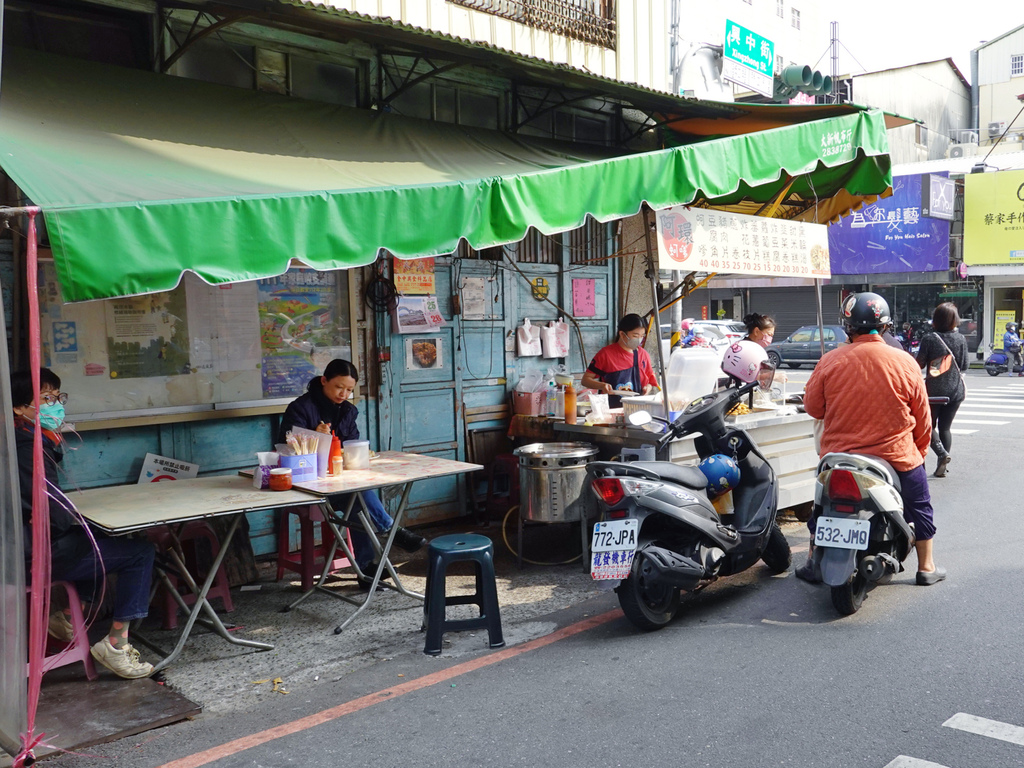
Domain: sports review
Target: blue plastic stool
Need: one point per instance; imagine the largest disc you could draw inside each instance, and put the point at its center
(443, 551)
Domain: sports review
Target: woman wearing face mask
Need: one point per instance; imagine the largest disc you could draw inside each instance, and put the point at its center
(760, 328)
(74, 556)
(325, 407)
(622, 365)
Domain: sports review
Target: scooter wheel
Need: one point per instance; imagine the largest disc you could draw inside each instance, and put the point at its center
(848, 598)
(777, 554)
(992, 371)
(648, 606)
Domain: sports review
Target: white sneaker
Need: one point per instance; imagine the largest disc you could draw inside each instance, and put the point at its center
(60, 628)
(123, 662)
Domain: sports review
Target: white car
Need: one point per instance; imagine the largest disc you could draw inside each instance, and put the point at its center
(721, 334)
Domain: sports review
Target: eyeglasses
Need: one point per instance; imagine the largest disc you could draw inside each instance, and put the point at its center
(49, 399)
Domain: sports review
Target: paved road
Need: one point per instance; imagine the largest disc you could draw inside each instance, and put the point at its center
(756, 671)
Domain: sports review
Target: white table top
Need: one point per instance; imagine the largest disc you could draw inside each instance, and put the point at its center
(125, 508)
(387, 468)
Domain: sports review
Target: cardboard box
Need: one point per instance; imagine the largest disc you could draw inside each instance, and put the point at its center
(303, 467)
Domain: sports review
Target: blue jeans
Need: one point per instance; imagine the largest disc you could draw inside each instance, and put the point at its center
(130, 559)
(361, 546)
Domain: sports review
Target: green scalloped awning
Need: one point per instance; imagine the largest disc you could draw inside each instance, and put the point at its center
(142, 177)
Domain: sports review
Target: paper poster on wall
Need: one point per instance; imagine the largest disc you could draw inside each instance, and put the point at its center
(65, 343)
(422, 353)
(228, 315)
(158, 468)
(474, 298)
(584, 302)
(297, 316)
(414, 275)
(148, 336)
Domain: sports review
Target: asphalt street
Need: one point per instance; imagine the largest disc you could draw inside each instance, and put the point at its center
(757, 670)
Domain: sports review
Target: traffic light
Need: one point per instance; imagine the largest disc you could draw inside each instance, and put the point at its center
(798, 78)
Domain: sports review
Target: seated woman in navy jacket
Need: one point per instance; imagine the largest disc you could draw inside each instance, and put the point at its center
(325, 408)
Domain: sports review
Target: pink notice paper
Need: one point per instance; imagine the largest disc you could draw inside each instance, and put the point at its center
(583, 299)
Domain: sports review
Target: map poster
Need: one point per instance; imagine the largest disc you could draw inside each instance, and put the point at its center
(414, 275)
(298, 315)
(147, 336)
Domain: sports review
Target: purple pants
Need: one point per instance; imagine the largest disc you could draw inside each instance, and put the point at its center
(917, 503)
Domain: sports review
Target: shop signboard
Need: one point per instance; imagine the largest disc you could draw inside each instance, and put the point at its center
(994, 218)
(707, 240)
(894, 234)
(748, 59)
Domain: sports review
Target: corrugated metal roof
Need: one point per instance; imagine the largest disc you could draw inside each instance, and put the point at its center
(1004, 161)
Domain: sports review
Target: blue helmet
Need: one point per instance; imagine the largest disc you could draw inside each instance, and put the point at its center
(722, 472)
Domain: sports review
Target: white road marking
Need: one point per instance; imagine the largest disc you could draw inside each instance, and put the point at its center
(988, 413)
(965, 431)
(993, 729)
(912, 762)
(990, 402)
(977, 421)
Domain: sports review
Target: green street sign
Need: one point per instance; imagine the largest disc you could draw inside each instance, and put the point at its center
(748, 59)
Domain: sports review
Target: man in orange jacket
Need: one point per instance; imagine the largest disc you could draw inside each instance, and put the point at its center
(873, 401)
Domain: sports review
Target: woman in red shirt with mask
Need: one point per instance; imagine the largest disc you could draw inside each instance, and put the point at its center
(623, 364)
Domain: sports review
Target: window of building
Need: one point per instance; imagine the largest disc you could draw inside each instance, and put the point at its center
(778, 64)
(921, 135)
(324, 81)
(796, 19)
(780, 8)
(1017, 64)
(214, 60)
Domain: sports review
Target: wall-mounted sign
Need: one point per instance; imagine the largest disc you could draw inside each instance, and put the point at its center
(748, 59)
(423, 353)
(415, 275)
(937, 191)
(994, 218)
(540, 288)
(705, 240)
(892, 234)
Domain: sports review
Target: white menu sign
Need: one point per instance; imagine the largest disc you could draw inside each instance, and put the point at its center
(706, 240)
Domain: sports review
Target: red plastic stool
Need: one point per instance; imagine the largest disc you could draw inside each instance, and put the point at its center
(308, 559)
(60, 654)
(197, 530)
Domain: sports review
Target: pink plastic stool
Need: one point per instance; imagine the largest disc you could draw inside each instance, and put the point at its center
(193, 532)
(308, 559)
(78, 649)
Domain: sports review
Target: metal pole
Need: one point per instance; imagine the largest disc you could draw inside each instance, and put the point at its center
(821, 324)
(652, 273)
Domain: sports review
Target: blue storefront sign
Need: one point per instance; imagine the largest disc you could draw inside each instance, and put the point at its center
(896, 234)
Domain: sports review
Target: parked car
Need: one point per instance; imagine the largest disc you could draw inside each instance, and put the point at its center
(720, 333)
(803, 346)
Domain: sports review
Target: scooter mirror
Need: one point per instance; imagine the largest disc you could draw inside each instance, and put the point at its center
(639, 418)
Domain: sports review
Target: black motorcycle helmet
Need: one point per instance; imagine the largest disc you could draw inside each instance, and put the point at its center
(1011, 327)
(864, 312)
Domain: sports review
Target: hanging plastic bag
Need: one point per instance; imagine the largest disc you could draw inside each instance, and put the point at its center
(555, 339)
(528, 342)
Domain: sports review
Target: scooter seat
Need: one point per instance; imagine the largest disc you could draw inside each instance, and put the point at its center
(680, 474)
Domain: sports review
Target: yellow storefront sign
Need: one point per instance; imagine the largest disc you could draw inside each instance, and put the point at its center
(994, 218)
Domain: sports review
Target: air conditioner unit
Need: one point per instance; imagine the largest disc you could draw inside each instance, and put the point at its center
(996, 128)
(962, 150)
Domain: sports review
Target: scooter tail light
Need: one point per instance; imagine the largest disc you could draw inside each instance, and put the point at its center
(842, 485)
(608, 489)
(617, 514)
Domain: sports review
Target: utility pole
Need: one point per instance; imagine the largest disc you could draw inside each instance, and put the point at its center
(835, 63)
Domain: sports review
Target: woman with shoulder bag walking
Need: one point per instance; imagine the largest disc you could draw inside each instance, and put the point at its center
(943, 355)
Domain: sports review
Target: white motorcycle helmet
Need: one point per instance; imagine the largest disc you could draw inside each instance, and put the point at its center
(744, 360)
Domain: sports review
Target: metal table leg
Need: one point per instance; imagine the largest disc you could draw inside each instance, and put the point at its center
(201, 604)
(385, 561)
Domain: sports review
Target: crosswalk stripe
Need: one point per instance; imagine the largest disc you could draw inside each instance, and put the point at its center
(978, 421)
(912, 762)
(990, 413)
(963, 431)
(984, 727)
(990, 403)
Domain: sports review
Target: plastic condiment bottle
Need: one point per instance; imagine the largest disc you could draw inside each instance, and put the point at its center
(570, 404)
(334, 458)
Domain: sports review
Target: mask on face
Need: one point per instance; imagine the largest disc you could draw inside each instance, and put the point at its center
(631, 342)
(766, 339)
(51, 416)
